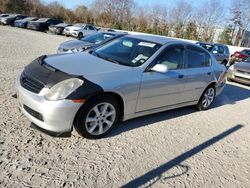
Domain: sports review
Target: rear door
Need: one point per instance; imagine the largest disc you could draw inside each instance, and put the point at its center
(199, 72)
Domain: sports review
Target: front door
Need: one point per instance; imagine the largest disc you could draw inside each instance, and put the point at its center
(164, 89)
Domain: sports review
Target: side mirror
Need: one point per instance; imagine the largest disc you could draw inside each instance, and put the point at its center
(215, 52)
(160, 68)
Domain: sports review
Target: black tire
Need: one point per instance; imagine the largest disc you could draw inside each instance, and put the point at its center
(80, 123)
(80, 35)
(200, 106)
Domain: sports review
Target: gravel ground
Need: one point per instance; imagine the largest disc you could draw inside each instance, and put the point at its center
(178, 148)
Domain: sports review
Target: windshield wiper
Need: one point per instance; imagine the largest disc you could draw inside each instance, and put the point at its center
(105, 58)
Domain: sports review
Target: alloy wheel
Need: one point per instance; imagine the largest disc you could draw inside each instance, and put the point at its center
(208, 97)
(100, 118)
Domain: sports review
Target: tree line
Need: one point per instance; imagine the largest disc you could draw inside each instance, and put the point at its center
(181, 20)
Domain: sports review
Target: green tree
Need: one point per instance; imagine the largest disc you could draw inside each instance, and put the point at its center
(225, 37)
(191, 31)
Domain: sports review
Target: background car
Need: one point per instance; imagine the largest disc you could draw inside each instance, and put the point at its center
(3, 15)
(43, 24)
(219, 51)
(9, 20)
(58, 29)
(80, 30)
(239, 56)
(88, 42)
(240, 72)
(24, 22)
(131, 76)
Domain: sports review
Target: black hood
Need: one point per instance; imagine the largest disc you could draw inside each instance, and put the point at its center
(47, 76)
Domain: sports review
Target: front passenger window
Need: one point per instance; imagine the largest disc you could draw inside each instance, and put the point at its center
(172, 57)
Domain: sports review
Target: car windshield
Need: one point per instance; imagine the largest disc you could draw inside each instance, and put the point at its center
(127, 51)
(208, 47)
(42, 20)
(28, 19)
(62, 25)
(78, 25)
(11, 16)
(97, 38)
(247, 60)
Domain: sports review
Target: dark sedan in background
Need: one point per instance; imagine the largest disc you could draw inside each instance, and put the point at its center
(24, 22)
(240, 72)
(88, 42)
(9, 20)
(58, 29)
(43, 24)
(219, 51)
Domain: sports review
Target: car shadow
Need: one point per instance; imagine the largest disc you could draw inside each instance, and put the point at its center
(156, 174)
(230, 95)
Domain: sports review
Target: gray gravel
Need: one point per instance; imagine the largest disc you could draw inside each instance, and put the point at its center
(179, 148)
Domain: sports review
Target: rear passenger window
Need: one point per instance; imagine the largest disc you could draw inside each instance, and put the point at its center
(196, 59)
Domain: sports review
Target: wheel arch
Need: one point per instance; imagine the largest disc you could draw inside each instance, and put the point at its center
(115, 95)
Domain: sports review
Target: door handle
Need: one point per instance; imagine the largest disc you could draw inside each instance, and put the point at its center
(209, 73)
(181, 76)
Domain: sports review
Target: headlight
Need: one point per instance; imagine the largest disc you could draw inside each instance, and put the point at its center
(63, 89)
(231, 68)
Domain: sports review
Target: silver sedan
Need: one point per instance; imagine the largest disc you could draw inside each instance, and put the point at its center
(129, 77)
(240, 72)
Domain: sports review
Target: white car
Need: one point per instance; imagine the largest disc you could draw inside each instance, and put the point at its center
(80, 30)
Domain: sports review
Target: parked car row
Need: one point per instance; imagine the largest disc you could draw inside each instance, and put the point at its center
(219, 51)
(9, 19)
(54, 26)
(222, 54)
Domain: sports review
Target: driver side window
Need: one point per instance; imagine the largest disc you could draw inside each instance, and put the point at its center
(172, 57)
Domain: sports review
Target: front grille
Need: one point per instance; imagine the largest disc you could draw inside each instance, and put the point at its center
(30, 83)
(34, 113)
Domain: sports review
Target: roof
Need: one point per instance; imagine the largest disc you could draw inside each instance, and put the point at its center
(161, 39)
(113, 33)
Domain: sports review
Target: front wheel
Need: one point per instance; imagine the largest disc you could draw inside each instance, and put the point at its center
(206, 99)
(98, 117)
(80, 35)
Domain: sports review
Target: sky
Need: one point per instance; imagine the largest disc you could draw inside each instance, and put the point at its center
(71, 4)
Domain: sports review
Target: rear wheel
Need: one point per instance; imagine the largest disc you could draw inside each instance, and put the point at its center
(206, 99)
(98, 117)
